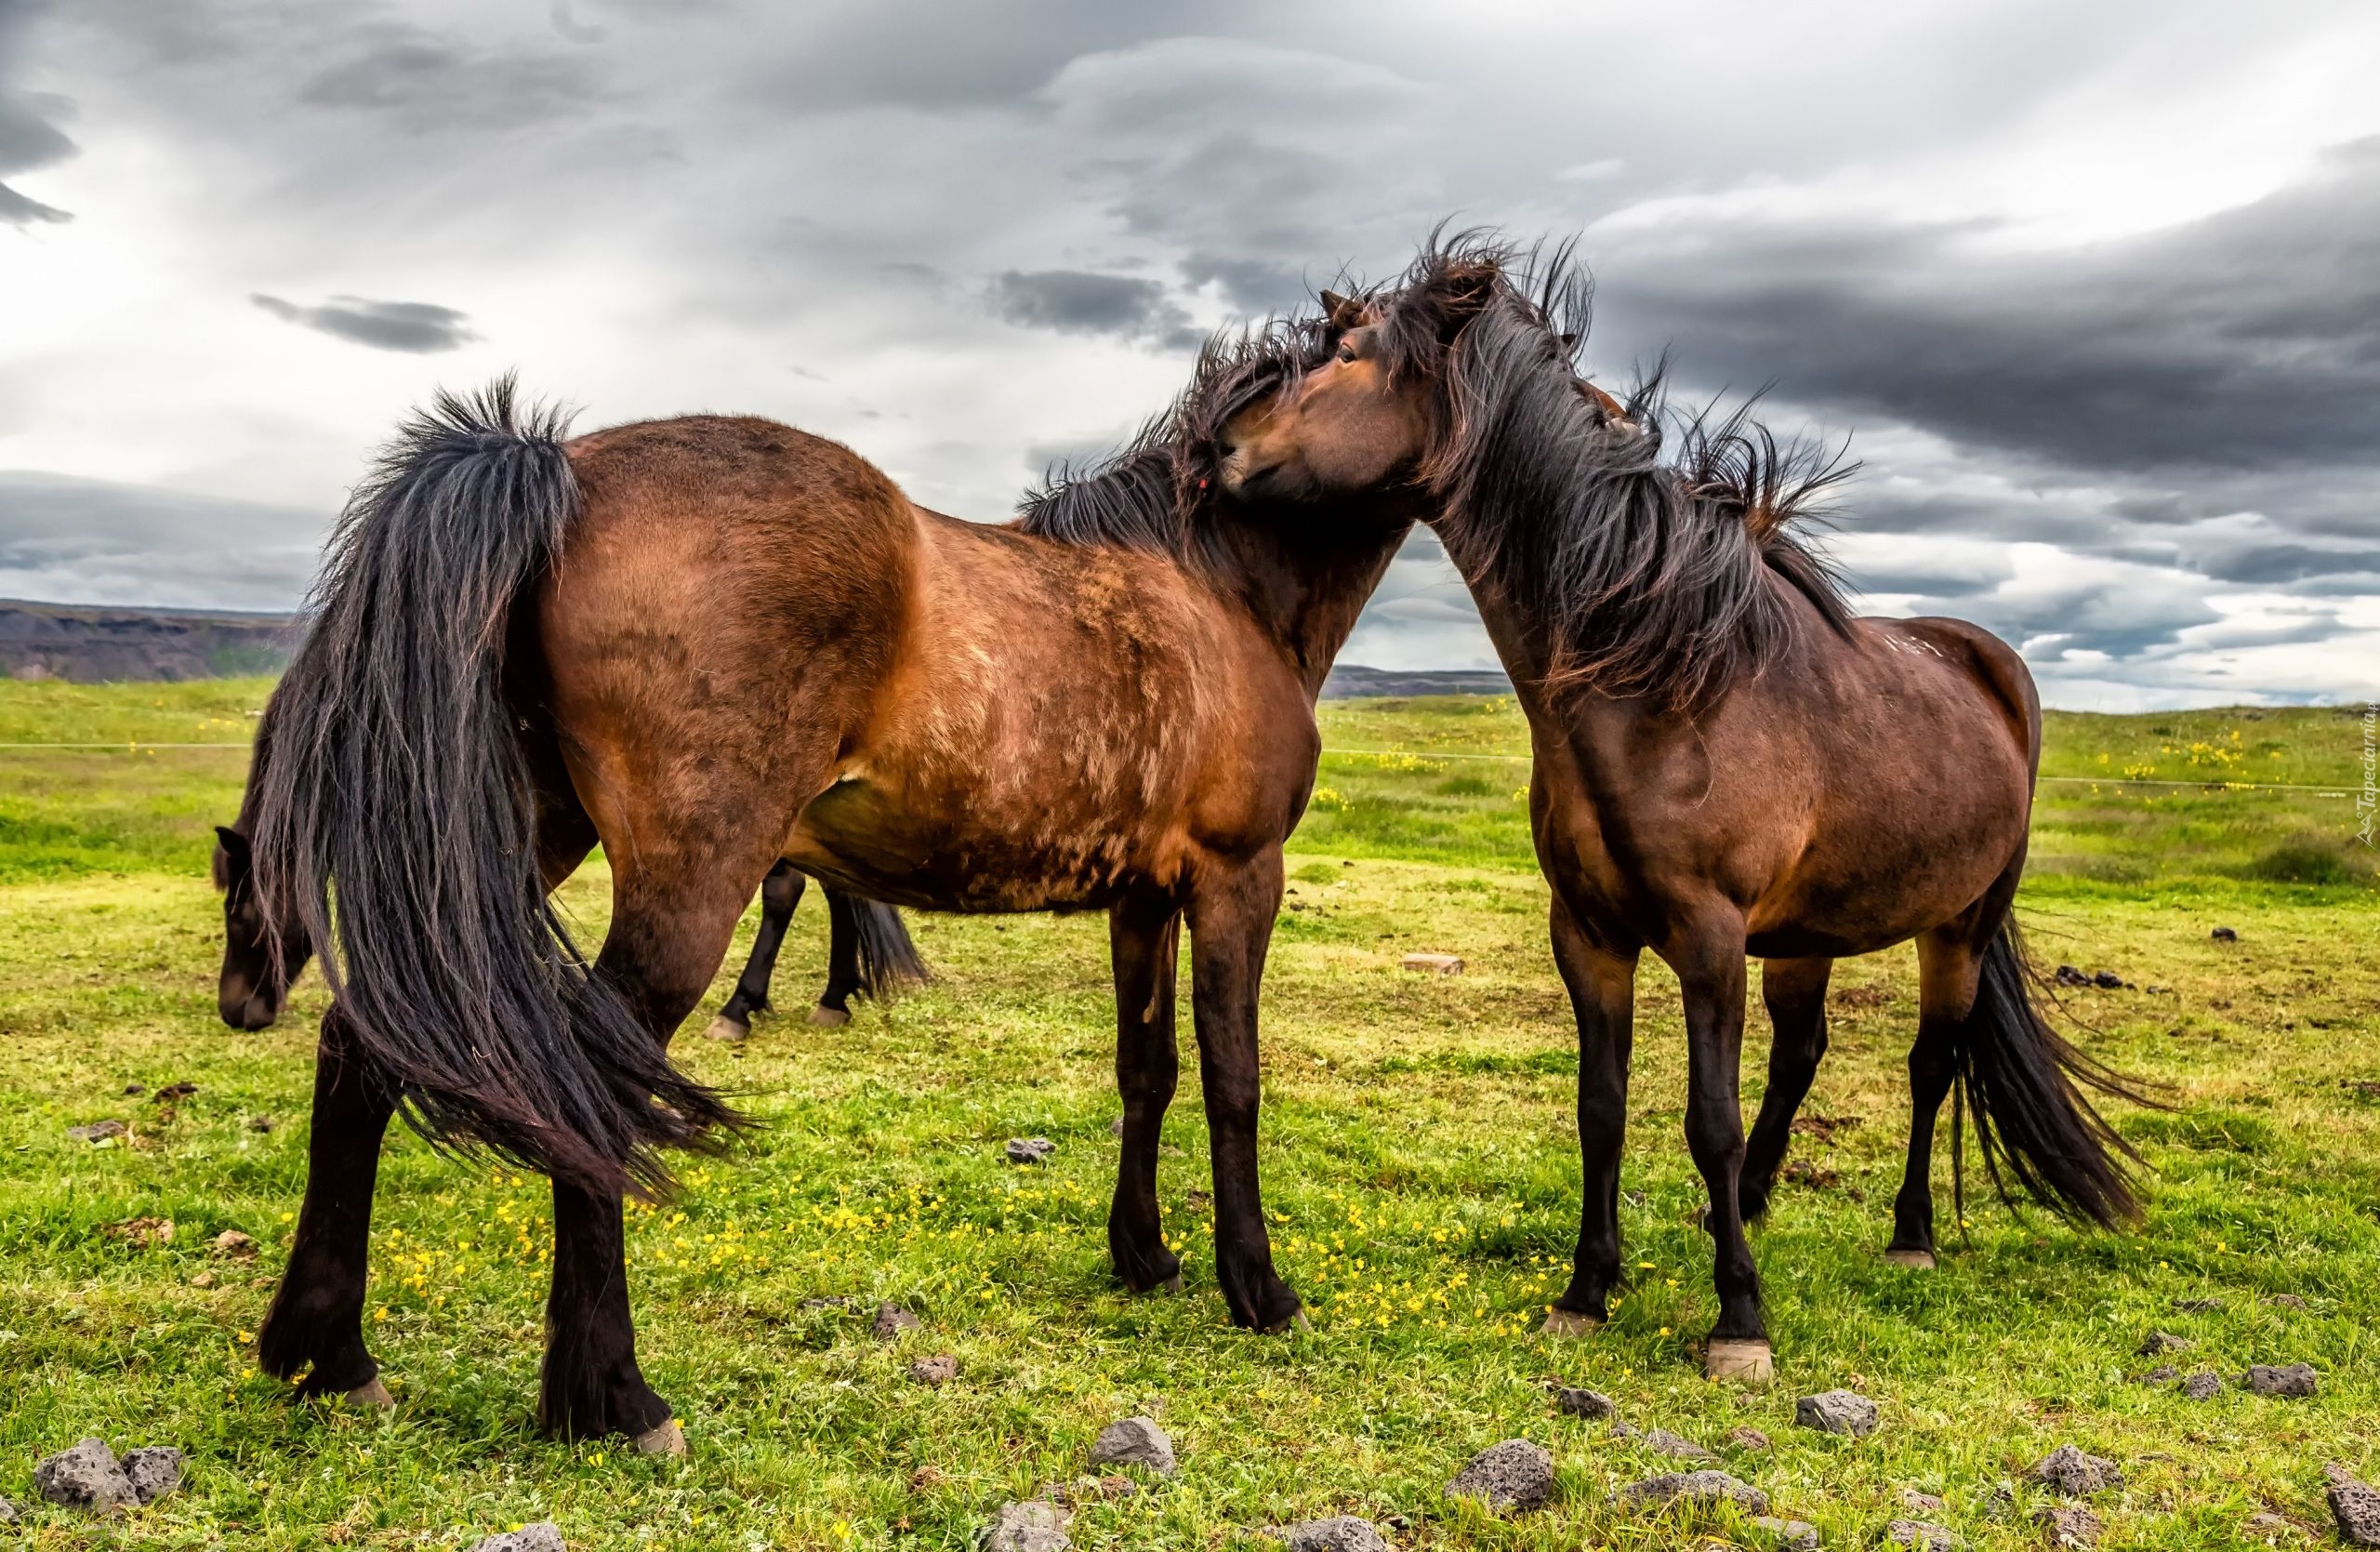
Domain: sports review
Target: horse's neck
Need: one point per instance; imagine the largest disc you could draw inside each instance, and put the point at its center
(1308, 596)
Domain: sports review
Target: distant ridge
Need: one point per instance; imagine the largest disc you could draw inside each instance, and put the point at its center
(95, 644)
(1350, 680)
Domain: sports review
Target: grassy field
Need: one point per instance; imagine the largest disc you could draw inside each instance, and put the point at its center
(1419, 1160)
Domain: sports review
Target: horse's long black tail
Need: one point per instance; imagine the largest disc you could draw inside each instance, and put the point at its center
(889, 963)
(2024, 1083)
(396, 820)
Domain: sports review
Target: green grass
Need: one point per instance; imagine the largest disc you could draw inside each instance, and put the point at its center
(1418, 1158)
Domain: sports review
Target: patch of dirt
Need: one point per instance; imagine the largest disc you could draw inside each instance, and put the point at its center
(1824, 1127)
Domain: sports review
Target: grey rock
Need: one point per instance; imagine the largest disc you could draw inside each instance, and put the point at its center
(1922, 1536)
(1663, 1442)
(2224, 935)
(259, 1123)
(941, 1368)
(1346, 1532)
(2000, 1503)
(1746, 1438)
(88, 1477)
(153, 1471)
(97, 1132)
(2158, 1342)
(2069, 1525)
(2290, 1380)
(2202, 1385)
(2198, 1306)
(1788, 1536)
(1705, 1487)
(1036, 1525)
(1515, 1476)
(1920, 1503)
(1585, 1403)
(542, 1536)
(2355, 1505)
(2289, 1301)
(1029, 1151)
(1837, 1412)
(1116, 1127)
(2163, 1373)
(892, 1320)
(10, 1513)
(2266, 1524)
(1134, 1442)
(2068, 1470)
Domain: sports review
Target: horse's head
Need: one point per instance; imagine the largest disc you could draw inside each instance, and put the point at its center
(249, 992)
(1352, 423)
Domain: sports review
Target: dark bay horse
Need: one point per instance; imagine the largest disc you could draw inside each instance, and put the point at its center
(868, 949)
(1727, 763)
(712, 643)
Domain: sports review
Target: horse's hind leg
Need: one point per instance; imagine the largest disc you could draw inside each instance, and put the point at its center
(844, 975)
(1948, 966)
(1143, 939)
(316, 1324)
(1602, 984)
(780, 894)
(1794, 991)
(673, 917)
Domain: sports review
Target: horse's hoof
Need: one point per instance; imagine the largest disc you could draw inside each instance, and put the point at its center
(373, 1394)
(1569, 1322)
(666, 1439)
(1915, 1260)
(726, 1029)
(829, 1018)
(1170, 1285)
(1744, 1361)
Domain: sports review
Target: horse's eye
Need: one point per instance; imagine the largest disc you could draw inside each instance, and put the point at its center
(1346, 352)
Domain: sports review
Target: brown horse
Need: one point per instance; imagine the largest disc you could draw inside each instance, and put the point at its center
(710, 643)
(1726, 761)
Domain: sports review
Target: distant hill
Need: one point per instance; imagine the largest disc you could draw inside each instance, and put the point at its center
(91, 644)
(1350, 680)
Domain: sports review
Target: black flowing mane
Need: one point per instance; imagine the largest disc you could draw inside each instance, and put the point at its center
(1661, 575)
(1157, 492)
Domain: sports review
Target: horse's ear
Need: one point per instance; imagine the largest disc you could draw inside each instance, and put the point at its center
(1570, 341)
(1344, 312)
(232, 841)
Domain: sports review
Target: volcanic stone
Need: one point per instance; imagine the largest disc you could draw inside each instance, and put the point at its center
(154, 1470)
(1837, 1412)
(1921, 1535)
(2158, 1343)
(1035, 1525)
(1029, 1151)
(543, 1535)
(97, 1132)
(2202, 1385)
(1585, 1403)
(892, 1320)
(2290, 1380)
(1788, 1536)
(1920, 1503)
(1746, 1438)
(2355, 1505)
(236, 1245)
(1705, 1487)
(941, 1368)
(2068, 1470)
(1344, 1533)
(1134, 1442)
(88, 1477)
(1515, 1476)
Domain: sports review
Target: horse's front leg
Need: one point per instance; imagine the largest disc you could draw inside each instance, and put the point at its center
(1710, 964)
(1143, 936)
(1602, 983)
(1231, 924)
(780, 895)
(316, 1324)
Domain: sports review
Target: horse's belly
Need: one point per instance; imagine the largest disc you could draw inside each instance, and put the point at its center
(937, 857)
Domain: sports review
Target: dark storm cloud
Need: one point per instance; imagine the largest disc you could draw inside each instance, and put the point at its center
(2247, 341)
(30, 136)
(416, 328)
(99, 542)
(1072, 301)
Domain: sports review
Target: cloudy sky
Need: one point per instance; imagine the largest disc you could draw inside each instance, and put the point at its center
(2094, 290)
